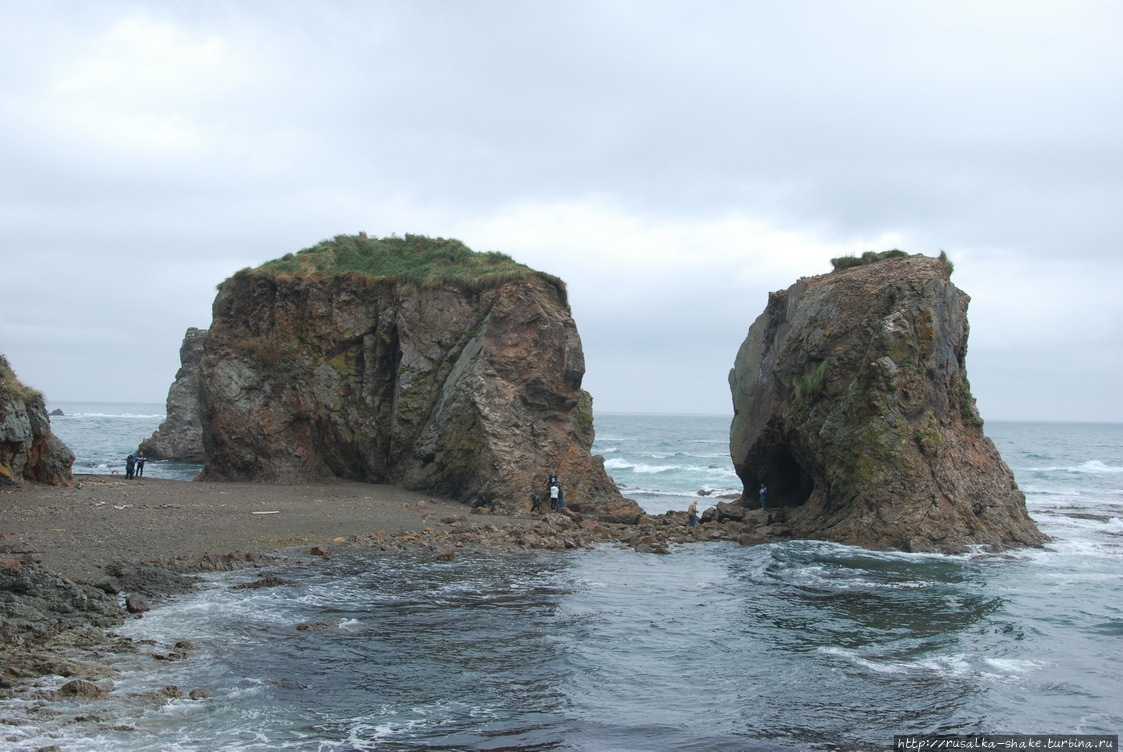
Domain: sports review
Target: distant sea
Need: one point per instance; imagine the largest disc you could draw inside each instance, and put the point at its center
(103, 434)
(800, 645)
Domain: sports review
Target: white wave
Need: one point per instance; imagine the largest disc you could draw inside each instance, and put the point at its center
(956, 664)
(141, 416)
(1091, 466)
(1008, 666)
(622, 464)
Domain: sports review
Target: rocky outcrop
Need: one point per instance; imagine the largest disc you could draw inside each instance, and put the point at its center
(36, 603)
(28, 449)
(460, 387)
(852, 407)
(180, 436)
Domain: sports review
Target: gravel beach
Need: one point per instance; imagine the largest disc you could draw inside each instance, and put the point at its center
(78, 531)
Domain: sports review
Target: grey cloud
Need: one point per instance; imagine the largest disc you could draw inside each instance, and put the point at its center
(978, 128)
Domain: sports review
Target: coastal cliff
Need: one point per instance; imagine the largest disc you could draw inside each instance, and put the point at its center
(180, 435)
(410, 361)
(28, 449)
(852, 407)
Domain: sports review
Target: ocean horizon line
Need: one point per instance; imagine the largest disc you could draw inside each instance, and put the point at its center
(51, 403)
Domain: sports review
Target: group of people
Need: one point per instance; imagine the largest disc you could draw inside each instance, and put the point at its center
(134, 465)
(554, 492)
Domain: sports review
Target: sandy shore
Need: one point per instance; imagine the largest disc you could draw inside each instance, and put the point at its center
(77, 531)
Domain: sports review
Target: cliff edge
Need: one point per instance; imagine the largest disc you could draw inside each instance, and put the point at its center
(411, 361)
(28, 449)
(852, 407)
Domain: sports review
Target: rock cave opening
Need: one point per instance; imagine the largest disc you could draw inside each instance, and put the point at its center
(788, 483)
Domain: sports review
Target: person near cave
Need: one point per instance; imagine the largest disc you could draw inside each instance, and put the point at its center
(763, 494)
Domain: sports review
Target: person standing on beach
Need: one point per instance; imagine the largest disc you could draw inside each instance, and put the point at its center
(552, 489)
(140, 464)
(692, 510)
(130, 466)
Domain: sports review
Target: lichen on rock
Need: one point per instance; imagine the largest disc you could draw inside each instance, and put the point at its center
(411, 361)
(852, 407)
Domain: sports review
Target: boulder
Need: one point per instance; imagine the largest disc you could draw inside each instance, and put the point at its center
(852, 407)
(135, 603)
(82, 689)
(462, 386)
(180, 435)
(28, 449)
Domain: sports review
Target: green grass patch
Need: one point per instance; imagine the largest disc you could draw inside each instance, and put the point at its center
(415, 260)
(10, 385)
(808, 386)
(873, 257)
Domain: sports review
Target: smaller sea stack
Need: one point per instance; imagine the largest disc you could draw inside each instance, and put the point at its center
(852, 407)
(180, 436)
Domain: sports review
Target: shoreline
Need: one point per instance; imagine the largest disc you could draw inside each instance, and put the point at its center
(102, 519)
(76, 562)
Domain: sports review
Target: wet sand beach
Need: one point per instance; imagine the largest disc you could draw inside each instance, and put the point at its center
(77, 531)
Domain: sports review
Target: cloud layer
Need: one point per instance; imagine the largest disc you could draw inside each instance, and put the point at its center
(673, 162)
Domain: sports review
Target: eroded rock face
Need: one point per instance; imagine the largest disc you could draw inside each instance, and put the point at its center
(180, 436)
(28, 449)
(852, 407)
(451, 391)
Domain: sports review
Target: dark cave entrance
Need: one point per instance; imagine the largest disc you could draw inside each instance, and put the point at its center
(788, 483)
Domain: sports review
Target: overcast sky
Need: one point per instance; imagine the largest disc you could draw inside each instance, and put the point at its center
(672, 161)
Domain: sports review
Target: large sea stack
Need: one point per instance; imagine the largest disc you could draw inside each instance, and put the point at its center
(411, 361)
(852, 407)
(28, 449)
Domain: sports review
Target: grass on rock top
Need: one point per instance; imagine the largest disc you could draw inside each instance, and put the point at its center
(413, 259)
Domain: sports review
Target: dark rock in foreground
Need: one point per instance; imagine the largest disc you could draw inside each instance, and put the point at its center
(36, 604)
(852, 407)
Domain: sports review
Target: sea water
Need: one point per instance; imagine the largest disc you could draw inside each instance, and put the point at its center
(103, 434)
(799, 645)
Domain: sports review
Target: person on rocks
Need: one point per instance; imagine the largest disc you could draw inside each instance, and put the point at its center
(130, 466)
(561, 498)
(763, 493)
(692, 512)
(555, 496)
(535, 503)
(140, 464)
(480, 502)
